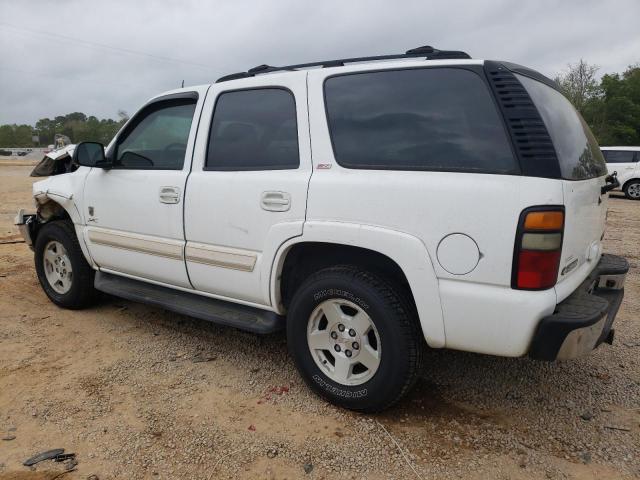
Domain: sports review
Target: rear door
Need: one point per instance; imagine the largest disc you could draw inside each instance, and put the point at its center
(247, 192)
(583, 172)
(625, 162)
(134, 211)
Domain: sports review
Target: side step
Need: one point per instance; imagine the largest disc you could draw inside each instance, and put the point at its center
(217, 311)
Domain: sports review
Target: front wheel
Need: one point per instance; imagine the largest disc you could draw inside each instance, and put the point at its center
(62, 270)
(632, 190)
(354, 338)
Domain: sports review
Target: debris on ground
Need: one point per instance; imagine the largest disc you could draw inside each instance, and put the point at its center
(56, 454)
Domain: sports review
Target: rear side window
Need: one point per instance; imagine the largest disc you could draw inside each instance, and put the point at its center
(417, 119)
(254, 130)
(158, 139)
(577, 149)
(619, 156)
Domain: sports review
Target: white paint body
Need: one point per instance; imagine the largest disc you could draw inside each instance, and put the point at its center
(219, 241)
(626, 170)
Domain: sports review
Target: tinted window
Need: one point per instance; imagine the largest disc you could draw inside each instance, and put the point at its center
(576, 147)
(159, 140)
(422, 119)
(254, 130)
(618, 156)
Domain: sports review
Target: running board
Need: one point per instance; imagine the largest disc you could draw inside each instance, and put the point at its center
(217, 311)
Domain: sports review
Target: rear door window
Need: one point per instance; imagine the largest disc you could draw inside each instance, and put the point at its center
(619, 156)
(417, 119)
(577, 149)
(254, 130)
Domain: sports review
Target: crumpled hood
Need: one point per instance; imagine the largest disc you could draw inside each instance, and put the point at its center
(55, 162)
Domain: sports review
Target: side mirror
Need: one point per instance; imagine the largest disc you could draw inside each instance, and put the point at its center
(90, 154)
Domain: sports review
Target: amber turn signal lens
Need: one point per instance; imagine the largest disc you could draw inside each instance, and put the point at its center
(551, 220)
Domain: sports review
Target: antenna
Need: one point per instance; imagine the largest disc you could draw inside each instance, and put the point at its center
(182, 84)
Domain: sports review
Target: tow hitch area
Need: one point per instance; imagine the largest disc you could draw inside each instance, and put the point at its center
(584, 319)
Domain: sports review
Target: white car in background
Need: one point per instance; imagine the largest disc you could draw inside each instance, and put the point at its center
(625, 161)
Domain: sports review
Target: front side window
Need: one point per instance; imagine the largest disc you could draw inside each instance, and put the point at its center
(158, 141)
(417, 119)
(254, 130)
(618, 156)
(577, 149)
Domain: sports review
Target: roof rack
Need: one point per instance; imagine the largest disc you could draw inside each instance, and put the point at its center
(429, 53)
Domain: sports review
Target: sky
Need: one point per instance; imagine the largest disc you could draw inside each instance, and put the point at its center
(99, 57)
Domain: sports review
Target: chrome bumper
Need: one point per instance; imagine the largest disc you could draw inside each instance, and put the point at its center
(583, 320)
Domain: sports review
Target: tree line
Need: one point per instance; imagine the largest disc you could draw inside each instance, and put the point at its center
(610, 106)
(77, 126)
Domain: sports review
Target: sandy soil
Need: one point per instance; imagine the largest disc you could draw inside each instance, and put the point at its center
(138, 392)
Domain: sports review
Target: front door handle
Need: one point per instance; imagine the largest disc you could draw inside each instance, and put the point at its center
(275, 201)
(169, 195)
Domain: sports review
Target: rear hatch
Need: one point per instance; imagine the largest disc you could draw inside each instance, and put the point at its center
(583, 170)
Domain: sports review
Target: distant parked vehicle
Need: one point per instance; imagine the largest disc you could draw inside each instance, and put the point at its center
(625, 161)
(6, 153)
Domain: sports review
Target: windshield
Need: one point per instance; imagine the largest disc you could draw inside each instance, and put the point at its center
(577, 149)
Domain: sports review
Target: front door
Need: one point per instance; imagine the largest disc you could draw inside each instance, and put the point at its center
(135, 209)
(247, 191)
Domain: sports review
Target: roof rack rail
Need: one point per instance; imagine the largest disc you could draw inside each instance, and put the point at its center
(429, 53)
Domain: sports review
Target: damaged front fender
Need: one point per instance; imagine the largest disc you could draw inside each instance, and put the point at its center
(57, 193)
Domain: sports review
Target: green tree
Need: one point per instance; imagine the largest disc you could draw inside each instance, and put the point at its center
(611, 106)
(579, 83)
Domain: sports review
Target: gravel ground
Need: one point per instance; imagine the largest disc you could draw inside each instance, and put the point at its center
(140, 393)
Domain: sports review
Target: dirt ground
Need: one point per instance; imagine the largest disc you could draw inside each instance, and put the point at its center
(140, 393)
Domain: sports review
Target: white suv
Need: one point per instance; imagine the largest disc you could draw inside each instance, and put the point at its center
(625, 161)
(366, 205)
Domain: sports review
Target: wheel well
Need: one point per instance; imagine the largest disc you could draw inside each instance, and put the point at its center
(303, 259)
(629, 181)
(47, 212)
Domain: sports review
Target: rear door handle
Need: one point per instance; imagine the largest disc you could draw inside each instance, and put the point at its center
(169, 195)
(275, 201)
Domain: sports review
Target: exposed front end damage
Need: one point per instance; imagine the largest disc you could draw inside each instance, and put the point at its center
(54, 200)
(56, 162)
(29, 223)
(26, 222)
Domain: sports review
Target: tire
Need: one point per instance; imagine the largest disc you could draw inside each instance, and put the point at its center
(632, 190)
(394, 339)
(57, 242)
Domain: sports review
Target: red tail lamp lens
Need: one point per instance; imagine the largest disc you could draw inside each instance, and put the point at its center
(538, 269)
(538, 248)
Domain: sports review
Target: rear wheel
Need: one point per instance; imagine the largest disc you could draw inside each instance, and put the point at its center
(354, 338)
(62, 270)
(632, 190)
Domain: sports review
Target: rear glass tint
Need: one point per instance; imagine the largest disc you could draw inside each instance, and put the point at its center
(577, 149)
(417, 119)
(254, 130)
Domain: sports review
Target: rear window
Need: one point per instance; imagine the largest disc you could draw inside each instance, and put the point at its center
(417, 119)
(619, 156)
(577, 149)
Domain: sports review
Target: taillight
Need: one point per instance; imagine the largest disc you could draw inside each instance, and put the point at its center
(538, 247)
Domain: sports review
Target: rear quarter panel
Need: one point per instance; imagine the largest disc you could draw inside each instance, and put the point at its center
(430, 206)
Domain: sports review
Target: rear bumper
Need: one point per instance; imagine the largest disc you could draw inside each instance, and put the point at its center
(585, 318)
